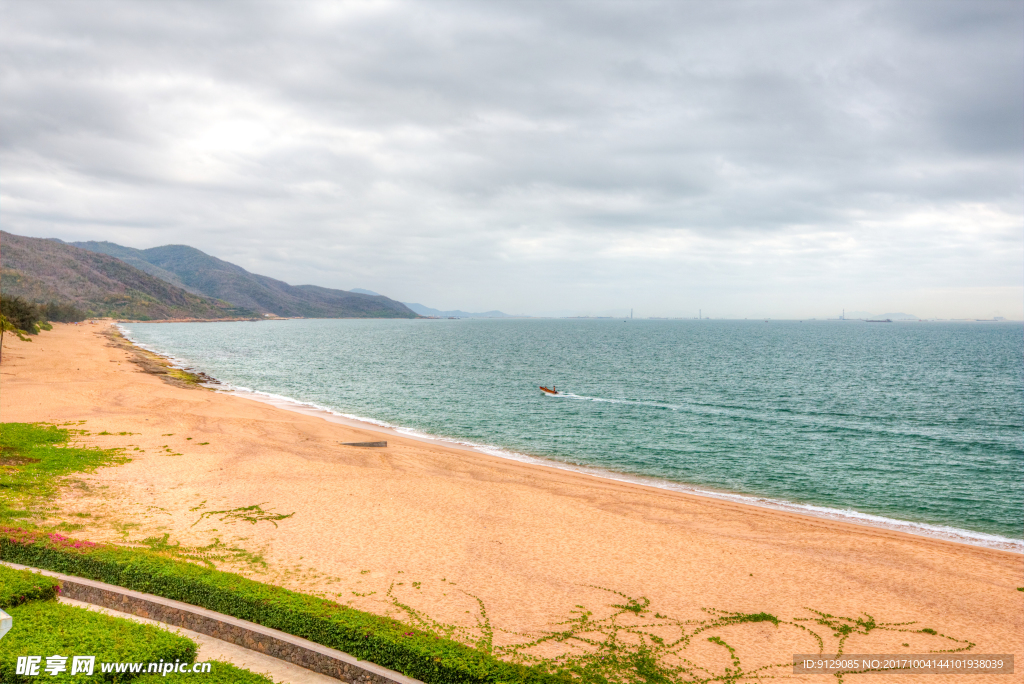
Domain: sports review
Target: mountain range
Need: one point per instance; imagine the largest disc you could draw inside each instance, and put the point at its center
(198, 272)
(173, 281)
(50, 271)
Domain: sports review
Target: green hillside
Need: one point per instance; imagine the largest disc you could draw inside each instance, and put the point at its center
(201, 273)
(131, 257)
(41, 270)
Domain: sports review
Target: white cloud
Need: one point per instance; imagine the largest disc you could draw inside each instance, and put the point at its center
(761, 158)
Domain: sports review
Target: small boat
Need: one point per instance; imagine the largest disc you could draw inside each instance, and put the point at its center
(549, 392)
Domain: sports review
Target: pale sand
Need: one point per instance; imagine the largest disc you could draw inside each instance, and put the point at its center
(527, 540)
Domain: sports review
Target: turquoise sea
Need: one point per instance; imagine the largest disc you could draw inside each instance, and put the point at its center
(914, 422)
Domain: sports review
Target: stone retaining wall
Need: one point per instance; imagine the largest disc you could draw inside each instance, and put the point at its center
(272, 642)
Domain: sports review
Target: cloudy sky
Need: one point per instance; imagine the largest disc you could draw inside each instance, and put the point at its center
(784, 159)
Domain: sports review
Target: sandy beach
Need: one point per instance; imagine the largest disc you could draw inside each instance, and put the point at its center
(443, 527)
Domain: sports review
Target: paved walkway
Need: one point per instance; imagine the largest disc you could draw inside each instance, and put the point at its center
(286, 658)
(215, 649)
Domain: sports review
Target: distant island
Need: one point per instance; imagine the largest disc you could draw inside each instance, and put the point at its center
(427, 311)
(437, 313)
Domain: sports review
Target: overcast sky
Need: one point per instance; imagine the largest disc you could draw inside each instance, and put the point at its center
(783, 159)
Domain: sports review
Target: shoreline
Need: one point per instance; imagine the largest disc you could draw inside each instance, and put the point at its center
(848, 516)
(274, 495)
(928, 531)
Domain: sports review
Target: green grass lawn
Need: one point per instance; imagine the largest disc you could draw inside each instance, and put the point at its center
(33, 458)
(43, 627)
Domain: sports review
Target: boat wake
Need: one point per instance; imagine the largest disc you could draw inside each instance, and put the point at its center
(772, 415)
(628, 402)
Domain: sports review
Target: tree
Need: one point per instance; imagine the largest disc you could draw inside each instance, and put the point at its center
(23, 315)
(24, 318)
(6, 325)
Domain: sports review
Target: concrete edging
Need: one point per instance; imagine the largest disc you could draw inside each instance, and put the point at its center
(271, 642)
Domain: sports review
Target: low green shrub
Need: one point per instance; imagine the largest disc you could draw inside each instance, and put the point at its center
(61, 312)
(48, 628)
(220, 673)
(412, 651)
(20, 586)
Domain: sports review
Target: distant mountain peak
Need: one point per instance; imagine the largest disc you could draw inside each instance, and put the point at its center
(360, 290)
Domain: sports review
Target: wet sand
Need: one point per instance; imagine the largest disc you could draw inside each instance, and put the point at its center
(442, 525)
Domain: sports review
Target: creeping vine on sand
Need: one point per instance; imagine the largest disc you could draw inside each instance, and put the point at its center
(208, 555)
(845, 627)
(251, 514)
(632, 645)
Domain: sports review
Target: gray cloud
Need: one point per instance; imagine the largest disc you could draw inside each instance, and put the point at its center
(750, 158)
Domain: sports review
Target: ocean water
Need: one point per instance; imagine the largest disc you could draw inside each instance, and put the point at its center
(917, 422)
